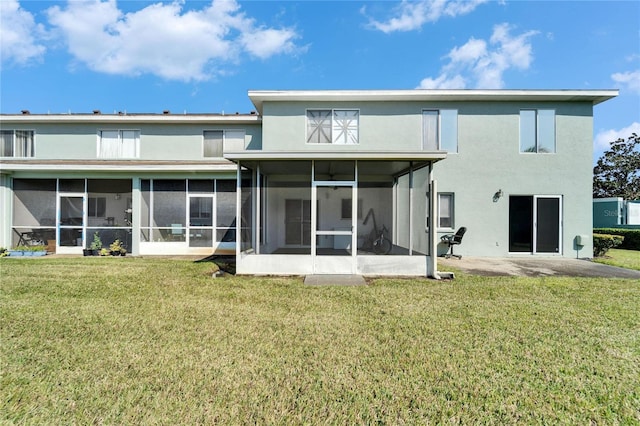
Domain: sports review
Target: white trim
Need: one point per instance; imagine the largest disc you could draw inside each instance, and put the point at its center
(119, 167)
(337, 155)
(131, 118)
(258, 97)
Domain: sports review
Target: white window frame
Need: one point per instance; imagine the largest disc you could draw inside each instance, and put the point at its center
(354, 134)
(541, 128)
(225, 140)
(451, 213)
(14, 144)
(119, 155)
(453, 135)
(452, 210)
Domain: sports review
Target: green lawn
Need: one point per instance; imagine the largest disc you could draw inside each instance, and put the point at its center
(139, 341)
(629, 259)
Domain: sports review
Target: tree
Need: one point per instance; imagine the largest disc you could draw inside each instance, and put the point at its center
(617, 173)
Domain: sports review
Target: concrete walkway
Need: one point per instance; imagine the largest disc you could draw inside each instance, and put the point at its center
(534, 267)
(337, 280)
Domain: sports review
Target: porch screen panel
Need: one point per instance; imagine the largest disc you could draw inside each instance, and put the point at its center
(71, 185)
(109, 210)
(34, 202)
(225, 210)
(420, 237)
(402, 211)
(287, 207)
(246, 210)
(169, 203)
(145, 210)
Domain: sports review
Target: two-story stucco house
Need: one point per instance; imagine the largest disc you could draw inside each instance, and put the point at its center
(309, 182)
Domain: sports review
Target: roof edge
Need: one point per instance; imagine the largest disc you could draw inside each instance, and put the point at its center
(258, 97)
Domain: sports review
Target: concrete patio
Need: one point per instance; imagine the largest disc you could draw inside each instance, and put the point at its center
(534, 267)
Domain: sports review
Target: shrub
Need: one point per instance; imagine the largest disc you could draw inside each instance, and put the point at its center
(631, 236)
(603, 242)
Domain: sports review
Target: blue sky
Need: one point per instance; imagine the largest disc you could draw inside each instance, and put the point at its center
(203, 56)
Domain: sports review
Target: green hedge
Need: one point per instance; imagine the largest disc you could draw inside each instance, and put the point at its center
(631, 236)
(603, 242)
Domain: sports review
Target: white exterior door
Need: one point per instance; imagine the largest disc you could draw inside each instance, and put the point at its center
(333, 224)
(72, 219)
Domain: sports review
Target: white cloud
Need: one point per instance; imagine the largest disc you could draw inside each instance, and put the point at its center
(604, 138)
(164, 39)
(484, 63)
(412, 15)
(629, 80)
(443, 82)
(19, 35)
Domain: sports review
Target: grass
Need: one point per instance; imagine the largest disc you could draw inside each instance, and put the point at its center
(146, 341)
(629, 259)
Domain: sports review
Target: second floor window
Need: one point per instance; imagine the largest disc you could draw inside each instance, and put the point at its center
(334, 126)
(119, 144)
(440, 130)
(538, 130)
(17, 143)
(215, 142)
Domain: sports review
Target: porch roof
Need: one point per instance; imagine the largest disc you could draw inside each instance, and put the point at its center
(255, 155)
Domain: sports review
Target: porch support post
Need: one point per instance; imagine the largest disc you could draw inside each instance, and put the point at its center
(432, 267)
(258, 209)
(354, 222)
(6, 208)
(238, 212)
(136, 219)
(314, 214)
(410, 208)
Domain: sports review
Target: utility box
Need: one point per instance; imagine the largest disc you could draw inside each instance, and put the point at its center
(582, 240)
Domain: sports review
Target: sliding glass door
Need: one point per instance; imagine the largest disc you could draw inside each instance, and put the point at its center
(535, 224)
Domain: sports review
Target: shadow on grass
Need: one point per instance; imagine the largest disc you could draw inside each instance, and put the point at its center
(226, 262)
